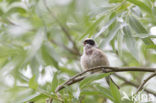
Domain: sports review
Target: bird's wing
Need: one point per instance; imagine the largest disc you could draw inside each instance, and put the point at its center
(101, 56)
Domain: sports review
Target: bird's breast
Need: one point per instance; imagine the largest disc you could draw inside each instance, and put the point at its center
(93, 60)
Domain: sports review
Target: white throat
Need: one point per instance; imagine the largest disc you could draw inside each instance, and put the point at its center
(87, 48)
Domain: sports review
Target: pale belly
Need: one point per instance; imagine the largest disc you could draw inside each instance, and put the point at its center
(88, 62)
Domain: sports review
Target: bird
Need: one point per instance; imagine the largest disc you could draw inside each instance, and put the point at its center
(93, 57)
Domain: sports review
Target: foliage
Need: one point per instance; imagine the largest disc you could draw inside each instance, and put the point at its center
(40, 46)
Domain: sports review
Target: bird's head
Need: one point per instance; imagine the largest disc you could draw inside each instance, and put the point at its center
(89, 43)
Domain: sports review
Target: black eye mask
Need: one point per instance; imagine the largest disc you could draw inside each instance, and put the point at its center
(91, 42)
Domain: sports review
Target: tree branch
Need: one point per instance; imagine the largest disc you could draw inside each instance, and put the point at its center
(145, 81)
(105, 69)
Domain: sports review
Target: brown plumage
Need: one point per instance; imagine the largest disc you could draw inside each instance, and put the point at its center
(93, 57)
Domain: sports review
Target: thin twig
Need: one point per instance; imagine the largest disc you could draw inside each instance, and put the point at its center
(125, 80)
(133, 84)
(145, 81)
(51, 100)
(54, 42)
(64, 28)
(63, 46)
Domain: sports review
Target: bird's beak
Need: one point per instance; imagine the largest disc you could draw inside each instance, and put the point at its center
(84, 44)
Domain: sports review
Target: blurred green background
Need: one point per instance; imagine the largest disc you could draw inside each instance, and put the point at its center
(41, 44)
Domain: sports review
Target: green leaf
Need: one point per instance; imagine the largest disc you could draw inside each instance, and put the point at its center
(36, 44)
(137, 26)
(92, 28)
(100, 10)
(16, 9)
(11, 1)
(150, 46)
(102, 92)
(48, 59)
(137, 12)
(152, 58)
(3, 60)
(127, 101)
(68, 71)
(51, 50)
(139, 29)
(33, 97)
(148, 3)
(130, 42)
(112, 43)
(105, 92)
(154, 11)
(33, 83)
(13, 65)
(115, 1)
(106, 26)
(115, 92)
(91, 78)
(34, 64)
(115, 28)
(147, 41)
(54, 82)
(142, 5)
(1, 12)
(6, 51)
(90, 93)
(130, 60)
(120, 43)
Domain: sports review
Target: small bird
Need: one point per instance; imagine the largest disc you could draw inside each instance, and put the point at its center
(93, 57)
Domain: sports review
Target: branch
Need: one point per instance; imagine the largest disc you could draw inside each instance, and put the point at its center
(133, 84)
(63, 46)
(105, 69)
(145, 81)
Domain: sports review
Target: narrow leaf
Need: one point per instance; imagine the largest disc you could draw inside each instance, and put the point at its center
(105, 27)
(48, 59)
(139, 29)
(111, 35)
(33, 97)
(33, 83)
(105, 92)
(130, 42)
(115, 1)
(92, 27)
(91, 78)
(54, 82)
(142, 5)
(137, 26)
(16, 9)
(115, 92)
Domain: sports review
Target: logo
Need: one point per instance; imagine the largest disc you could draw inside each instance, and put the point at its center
(140, 97)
